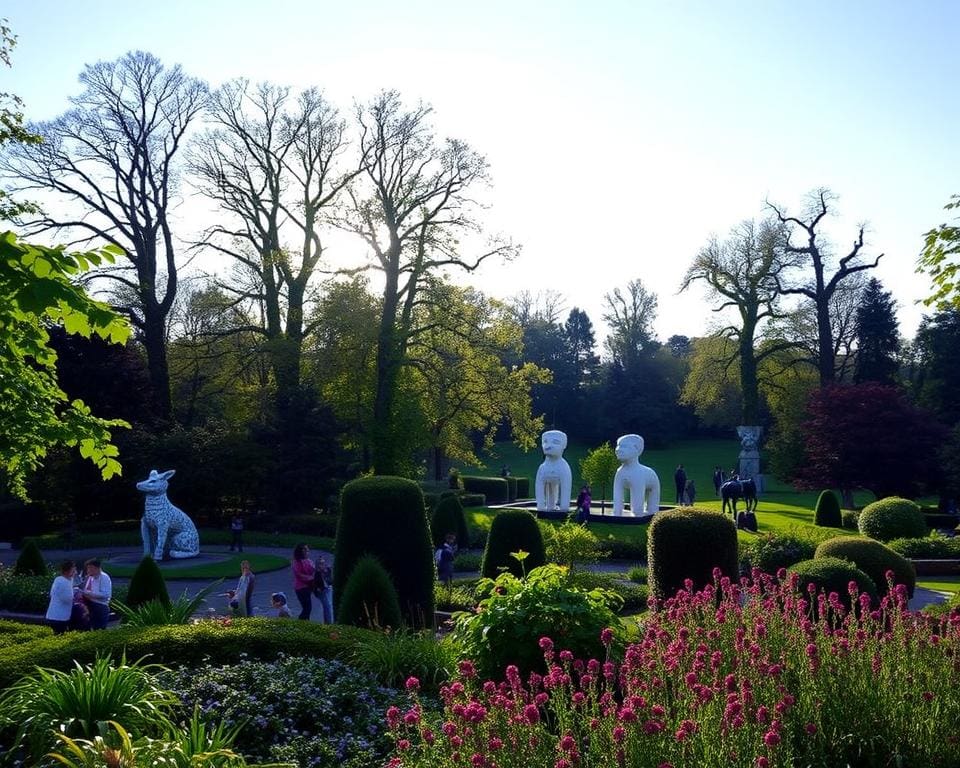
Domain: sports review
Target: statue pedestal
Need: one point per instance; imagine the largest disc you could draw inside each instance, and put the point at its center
(749, 463)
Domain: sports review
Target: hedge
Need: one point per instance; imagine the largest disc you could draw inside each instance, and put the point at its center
(873, 558)
(831, 574)
(369, 599)
(892, 518)
(927, 548)
(688, 543)
(14, 633)
(146, 584)
(511, 488)
(30, 562)
(827, 512)
(495, 489)
(513, 530)
(523, 487)
(222, 642)
(772, 551)
(447, 517)
(473, 500)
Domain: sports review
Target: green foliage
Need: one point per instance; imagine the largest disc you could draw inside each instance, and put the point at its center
(873, 558)
(467, 561)
(941, 246)
(31, 594)
(495, 489)
(14, 633)
(231, 640)
(155, 612)
(933, 547)
(306, 711)
(473, 500)
(447, 518)
(523, 487)
(633, 596)
(513, 531)
(772, 551)
(147, 584)
(598, 468)
(78, 703)
(892, 518)
(831, 574)
(395, 656)
(369, 598)
(36, 289)
(456, 597)
(688, 543)
(511, 488)
(385, 517)
(637, 574)
(827, 512)
(30, 562)
(850, 519)
(571, 543)
(515, 613)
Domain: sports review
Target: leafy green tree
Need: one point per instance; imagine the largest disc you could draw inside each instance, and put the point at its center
(11, 125)
(940, 259)
(878, 338)
(598, 468)
(35, 413)
(936, 379)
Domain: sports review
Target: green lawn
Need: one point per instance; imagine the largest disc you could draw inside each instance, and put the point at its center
(223, 570)
(940, 583)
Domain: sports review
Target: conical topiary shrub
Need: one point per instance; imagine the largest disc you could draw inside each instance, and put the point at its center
(146, 584)
(30, 562)
(384, 516)
(827, 512)
(369, 598)
(447, 518)
(511, 531)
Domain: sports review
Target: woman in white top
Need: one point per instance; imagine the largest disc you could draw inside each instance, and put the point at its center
(61, 598)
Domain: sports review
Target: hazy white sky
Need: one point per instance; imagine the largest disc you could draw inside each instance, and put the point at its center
(620, 134)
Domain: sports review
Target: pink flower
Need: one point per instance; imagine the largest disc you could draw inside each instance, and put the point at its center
(606, 636)
(762, 762)
(568, 743)
(771, 738)
(531, 713)
(413, 684)
(546, 644)
(403, 744)
(449, 729)
(618, 734)
(393, 717)
(810, 728)
(494, 744)
(467, 669)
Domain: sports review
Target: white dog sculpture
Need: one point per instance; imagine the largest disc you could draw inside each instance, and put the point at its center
(162, 521)
(640, 480)
(554, 478)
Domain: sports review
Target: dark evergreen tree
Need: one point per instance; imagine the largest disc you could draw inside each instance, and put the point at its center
(936, 378)
(878, 341)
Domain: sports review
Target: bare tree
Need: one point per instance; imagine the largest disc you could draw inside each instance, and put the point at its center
(273, 163)
(413, 210)
(741, 273)
(823, 286)
(543, 306)
(113, 159)
(630, 318)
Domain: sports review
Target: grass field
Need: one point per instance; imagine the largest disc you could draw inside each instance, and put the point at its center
(940, 583)
(225, 569)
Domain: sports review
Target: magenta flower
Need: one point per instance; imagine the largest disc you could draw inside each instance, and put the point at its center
(531, 713)
(413, 684)
(546, 644)
(606, 636)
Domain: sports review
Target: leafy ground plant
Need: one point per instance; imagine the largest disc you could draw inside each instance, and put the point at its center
(156, 613)
(81, 702)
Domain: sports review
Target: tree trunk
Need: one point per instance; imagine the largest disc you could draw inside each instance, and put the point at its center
(748, 377)
(825, 362)
(383, 453)
(155, 344)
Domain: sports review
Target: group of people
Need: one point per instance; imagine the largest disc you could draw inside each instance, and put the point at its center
(80, 603)
(312, 579)
(686, 488)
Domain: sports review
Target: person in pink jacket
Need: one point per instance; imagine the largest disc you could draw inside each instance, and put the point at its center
(303, 579)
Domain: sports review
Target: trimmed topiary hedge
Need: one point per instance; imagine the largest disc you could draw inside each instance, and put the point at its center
(892, 518)
(447, 518)
(827, 512)
(146, 584)
(688, 543)
(832, 575)
(523, 487)
(473, 500)
(14, 633)
(850, 518)
(873, 558)
(511, 531)
(369, 599)
(385, 517)
(495, 489)
(30, 561)
(927, 548)
(228, 641)
(772, 551)
(511, 488)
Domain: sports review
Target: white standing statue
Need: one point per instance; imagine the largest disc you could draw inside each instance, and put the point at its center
(554, 478)
(640, 480)
(165, 529)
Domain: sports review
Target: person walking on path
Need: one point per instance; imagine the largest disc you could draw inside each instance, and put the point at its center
(236, 533)
(583, 504)
(241, 599)
(60, 608)
(303, 579)
(680, 481)
(323, 588)
(444, 556)
(691, 493)
(97, 592)
(717, 480)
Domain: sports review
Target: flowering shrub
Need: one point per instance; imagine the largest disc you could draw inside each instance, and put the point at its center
(745, 678)
(314, 712)
(513, 614)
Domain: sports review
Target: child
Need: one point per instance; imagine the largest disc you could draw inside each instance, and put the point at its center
(279, 601)
(444, 558)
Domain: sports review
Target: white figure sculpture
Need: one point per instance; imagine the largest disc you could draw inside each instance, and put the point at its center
(554, 478)
(640, 480)
(162, 521)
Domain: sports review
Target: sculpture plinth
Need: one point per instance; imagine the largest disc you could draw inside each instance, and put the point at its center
(749, 460)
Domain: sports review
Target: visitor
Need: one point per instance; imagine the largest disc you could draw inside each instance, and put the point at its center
(241, 598)
(505, 471)
(236, 533)
(691, 493)
(97, 591)
(680, 481)
(717, 480)
(303, 573)
(279, 601)
(444, 556)
(583, 504)
(60, 608)
(323, 588)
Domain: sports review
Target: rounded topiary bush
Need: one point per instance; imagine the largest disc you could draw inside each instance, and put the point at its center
(892, 518)
(447, 518)
(827, 512)
(873, 558)
(511, 531)
(369, 598)
(772, 551)
(30, 562)
(147, 583)
(385, 517)
(688, 543)
(831, 574)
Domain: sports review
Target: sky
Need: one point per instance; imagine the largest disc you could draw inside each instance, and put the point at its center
(621, 135)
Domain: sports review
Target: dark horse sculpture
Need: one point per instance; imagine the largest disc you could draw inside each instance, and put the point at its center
(733, 490)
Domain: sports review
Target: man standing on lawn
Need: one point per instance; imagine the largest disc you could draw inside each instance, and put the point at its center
(680, 481)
